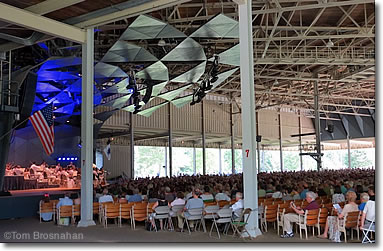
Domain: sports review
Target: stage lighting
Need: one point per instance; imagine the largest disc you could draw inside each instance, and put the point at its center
(59, 159)
(79, 144)
(71, 158)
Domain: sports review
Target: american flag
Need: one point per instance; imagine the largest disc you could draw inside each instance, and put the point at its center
(42, 121)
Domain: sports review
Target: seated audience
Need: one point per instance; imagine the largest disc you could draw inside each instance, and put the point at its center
(293, 217)
(332, 221)
(105, 197)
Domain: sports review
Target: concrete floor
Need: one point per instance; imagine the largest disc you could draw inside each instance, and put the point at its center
(30, 230)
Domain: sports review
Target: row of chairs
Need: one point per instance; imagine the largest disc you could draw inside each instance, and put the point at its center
(312, 218)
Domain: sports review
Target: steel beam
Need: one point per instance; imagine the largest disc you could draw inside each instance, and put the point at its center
(203, 138)
(48, 6)
(232, 139)
(131, 138)
(87, 131)
(170, 140)
(317, 125)
(42, 24)
(130, 12)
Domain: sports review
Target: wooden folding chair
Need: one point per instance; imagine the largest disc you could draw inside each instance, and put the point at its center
(125, 213)
(46, 207)
(76, 211)
(350, 220)
(309, 219)
(322, 218)
(139, 213)
(269, 215)
(280, 214)
(63, 212)
(223, 204)
(111, 211)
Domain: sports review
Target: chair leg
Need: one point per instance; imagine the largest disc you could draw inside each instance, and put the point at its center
(187, 225)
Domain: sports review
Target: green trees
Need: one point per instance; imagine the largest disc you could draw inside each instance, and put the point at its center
(359, 158)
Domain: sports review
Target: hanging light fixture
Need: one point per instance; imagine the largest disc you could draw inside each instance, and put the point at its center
(329, 44)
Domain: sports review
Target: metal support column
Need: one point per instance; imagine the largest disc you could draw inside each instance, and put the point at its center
(170, 140)
(280, 140)
(87, 131)
(349, 151)
(248, 117)
(203, 139)
(194, 161)
(258, 144)
(317, 124)
(131, 134)
(220, 159)
(166, 161)
(300, 140)
(232, 139)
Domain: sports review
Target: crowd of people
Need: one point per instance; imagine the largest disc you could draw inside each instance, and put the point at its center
(347, 185)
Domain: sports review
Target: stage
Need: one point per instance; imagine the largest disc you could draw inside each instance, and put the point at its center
(25, 203)
(42, 191)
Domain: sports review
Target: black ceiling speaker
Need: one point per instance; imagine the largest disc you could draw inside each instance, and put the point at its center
(258, 138)
(330, 128)
(148, 93)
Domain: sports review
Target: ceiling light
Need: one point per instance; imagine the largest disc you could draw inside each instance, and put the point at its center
(161, 43)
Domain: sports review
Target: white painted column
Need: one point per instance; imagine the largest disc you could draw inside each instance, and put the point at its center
(203, 138)
(248, 117)
(166, 161)
(280, 140)
(220, 159)
(194, 161)
(349, 151)
(87, 131)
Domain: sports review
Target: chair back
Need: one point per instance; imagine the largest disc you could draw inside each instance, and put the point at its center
(351, 219)
(125, 210)
(224, 215)
(112, 210)
(76, 210)
(322, 216)
(177, 209)
(65, 211)
(270, 213)
(311, 217)
(162, 210)
(46, 207)
(139, 211)
(223, 203)
(211, 203)
(267, 203)
(150, 207)
(195, 213)
(210, 212)
(96, 206)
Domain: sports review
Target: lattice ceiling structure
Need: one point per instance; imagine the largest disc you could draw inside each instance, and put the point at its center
(295, 43)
